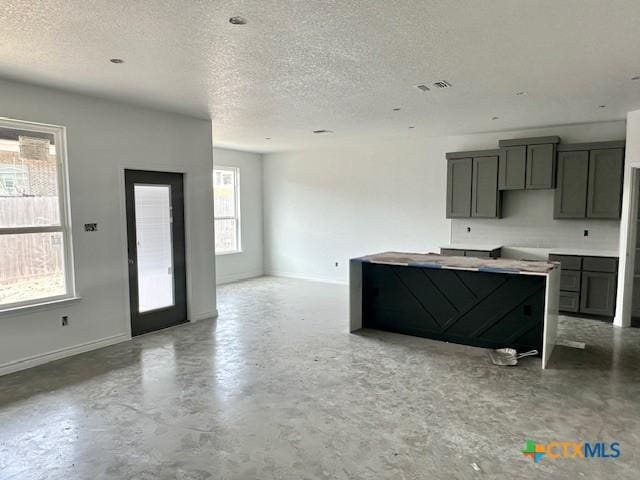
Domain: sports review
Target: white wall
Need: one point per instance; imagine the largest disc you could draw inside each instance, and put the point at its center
(103, 138)
(327, 205)
(249, 262)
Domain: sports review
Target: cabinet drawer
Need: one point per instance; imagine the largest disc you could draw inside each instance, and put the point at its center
(477, 253)
(600, 264)
(450, 252)
(569, 302)
(570, 280)
(567, 262)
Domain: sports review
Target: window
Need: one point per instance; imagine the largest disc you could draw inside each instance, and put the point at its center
(35, 238)
(227, 209)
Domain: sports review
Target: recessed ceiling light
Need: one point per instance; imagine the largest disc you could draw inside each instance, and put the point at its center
(495, 118)
(267, 138)
(322, 131)
(521, 93)
(116, 60)
(637, 77)
(237, 20)
(412, 127)
(602, 106)
(397, 109)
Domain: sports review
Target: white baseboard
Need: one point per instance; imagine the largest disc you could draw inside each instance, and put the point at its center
(312, 278)
(236, 277)
(203, 316)
(40, 359)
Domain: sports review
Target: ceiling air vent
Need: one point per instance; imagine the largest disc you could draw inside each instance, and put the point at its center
(423, 87)
(322, 131)
(441, 84)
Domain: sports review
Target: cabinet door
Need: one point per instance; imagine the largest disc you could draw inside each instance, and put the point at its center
(605, 183)
(598, 293)
(541, 166)
(512, 168)
(571, 193)
(485, 201)
(459, 177)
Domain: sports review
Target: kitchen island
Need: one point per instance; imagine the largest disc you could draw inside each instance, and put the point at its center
(483, 302)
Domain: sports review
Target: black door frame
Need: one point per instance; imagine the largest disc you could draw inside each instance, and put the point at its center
(170, 316)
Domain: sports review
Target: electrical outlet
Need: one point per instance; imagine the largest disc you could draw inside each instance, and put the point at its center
(586, 233)
(65, 320)
(337, 264)
(468, 229)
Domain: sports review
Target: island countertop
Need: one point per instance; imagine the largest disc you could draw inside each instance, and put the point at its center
(482, 302)
(431, 260)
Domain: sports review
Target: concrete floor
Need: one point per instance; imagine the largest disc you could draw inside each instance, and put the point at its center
(277, 388)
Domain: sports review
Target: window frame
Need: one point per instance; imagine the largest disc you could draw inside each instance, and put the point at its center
(237, 217)
(60, 138)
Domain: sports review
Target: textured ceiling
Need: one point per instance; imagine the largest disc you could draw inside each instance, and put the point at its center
(341, 65)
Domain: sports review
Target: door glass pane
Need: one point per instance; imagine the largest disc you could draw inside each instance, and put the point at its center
(31, 267)
(28, 180)
(154, 247)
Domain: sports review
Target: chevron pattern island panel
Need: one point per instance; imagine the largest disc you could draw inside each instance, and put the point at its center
(491, 310)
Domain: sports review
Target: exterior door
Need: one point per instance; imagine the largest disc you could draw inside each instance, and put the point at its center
(155, 239)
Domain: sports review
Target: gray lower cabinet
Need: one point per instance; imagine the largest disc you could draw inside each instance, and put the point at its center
(604, 197)
(472, 184)
(598, 293)
(587, 284)
(459, 178)
(570, 280)
(589, 180)
(571, 192)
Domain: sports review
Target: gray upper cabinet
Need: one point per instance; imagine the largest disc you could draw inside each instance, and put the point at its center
(571, 194)
(485, 201)
(513, 162)
(604, 198)
(459, 177)
(528, 163)
(589, 183)
(541, 166)
(472, 184)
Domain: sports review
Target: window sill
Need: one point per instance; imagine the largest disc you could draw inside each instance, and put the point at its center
(235, 252)
(34, 307)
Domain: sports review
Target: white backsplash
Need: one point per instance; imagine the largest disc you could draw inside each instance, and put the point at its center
(529, 229)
